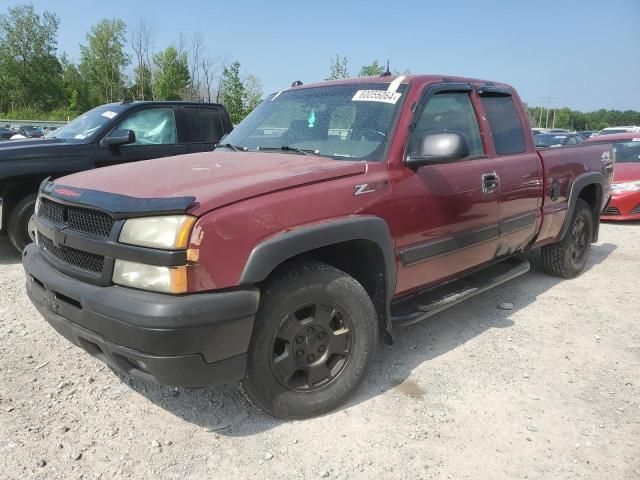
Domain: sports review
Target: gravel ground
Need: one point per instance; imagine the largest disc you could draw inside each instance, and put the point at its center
(547, 390)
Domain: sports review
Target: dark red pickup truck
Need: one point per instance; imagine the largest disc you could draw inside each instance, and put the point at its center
(333, 213)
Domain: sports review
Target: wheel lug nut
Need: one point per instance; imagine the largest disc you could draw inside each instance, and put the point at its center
(321, 348)
(310, 330)
(320, 335)
(299, 339)
(299, 353)
(311, 358)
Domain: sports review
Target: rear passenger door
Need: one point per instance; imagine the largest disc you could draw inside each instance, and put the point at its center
(517, 166)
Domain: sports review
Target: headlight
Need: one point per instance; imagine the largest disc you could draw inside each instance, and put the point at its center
(625, 187)
(150, 277)
(169, 232)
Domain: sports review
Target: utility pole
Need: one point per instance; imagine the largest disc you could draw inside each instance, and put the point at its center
(540, 118)
(548, 100)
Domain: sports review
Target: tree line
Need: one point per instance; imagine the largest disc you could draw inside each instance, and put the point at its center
(574, 120)
(116, 62)
(120, 62)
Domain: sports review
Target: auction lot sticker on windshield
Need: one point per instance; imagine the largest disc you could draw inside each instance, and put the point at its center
(109, 114)
(384, 96)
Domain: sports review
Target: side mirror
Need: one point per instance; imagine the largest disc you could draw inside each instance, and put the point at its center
(439, 148)
(118, 137)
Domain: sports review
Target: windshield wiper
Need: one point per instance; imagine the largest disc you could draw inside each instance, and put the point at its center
(289, 148)
(235, 148)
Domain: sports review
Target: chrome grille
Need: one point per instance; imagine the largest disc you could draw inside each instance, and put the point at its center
(82, 220)
(86, 261)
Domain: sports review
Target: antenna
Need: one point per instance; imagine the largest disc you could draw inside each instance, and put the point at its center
(387, 72)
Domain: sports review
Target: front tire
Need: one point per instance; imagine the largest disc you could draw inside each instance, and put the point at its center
(21, 223)
(314, 337)
(568, 257)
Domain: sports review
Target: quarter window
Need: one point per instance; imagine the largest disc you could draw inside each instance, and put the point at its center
(449, 112)
(508, 134)
(152, 126)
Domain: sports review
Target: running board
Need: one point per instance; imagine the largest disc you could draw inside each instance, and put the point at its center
(421, 305)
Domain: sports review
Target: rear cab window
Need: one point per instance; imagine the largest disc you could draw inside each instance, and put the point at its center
(504, 120)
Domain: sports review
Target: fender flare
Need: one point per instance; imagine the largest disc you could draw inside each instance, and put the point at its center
(266, 256)
(580, 182)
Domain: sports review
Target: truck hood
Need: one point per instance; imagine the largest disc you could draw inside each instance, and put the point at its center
(44, 155)
(215, 179)
(28, 148)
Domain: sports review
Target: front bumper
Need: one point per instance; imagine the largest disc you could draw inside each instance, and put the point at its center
(189, 340)
(623, 206)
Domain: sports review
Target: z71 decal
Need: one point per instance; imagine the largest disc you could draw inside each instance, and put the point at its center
(363, 188)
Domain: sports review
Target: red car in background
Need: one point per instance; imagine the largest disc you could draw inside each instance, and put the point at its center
(625, 189)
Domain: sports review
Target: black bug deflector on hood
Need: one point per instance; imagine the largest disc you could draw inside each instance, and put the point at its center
(117, 205)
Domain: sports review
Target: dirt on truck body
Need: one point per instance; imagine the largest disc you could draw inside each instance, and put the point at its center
(332, 214)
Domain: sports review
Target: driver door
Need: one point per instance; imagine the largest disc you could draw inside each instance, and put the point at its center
(446, 219)
(156, 137)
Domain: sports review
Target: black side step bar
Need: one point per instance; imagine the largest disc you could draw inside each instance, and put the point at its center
(421, 305)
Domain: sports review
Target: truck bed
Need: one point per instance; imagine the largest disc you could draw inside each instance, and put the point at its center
(561, 167)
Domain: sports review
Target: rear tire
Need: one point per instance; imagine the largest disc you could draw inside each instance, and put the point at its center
(314, 337)
(20, 227)
(568, 257)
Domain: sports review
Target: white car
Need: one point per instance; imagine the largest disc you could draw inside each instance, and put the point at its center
(612, 130)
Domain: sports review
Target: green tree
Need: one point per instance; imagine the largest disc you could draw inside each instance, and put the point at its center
(142, 87)
(253, 93)
(338, 68)
(103, 60)
(172, 74)
(30, 73)
(372, 70)
(563, 118)
(76, 90)
(233, 93)
(574, 120)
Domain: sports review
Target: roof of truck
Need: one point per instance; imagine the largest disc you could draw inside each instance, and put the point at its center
(410, 78)
(159, 102)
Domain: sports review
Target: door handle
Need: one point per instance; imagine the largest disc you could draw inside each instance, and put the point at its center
(490, 182)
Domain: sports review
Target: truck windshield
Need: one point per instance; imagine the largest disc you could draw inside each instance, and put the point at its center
(348, 121)
(544, 140)
(627, 152)
(86, 125)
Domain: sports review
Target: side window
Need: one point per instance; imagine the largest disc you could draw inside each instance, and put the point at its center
(508, 134)
(152, 126)
(193, 124)
(449, 112)
(211, 125)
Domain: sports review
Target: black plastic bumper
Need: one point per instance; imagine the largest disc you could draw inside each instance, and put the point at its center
(190, 340)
